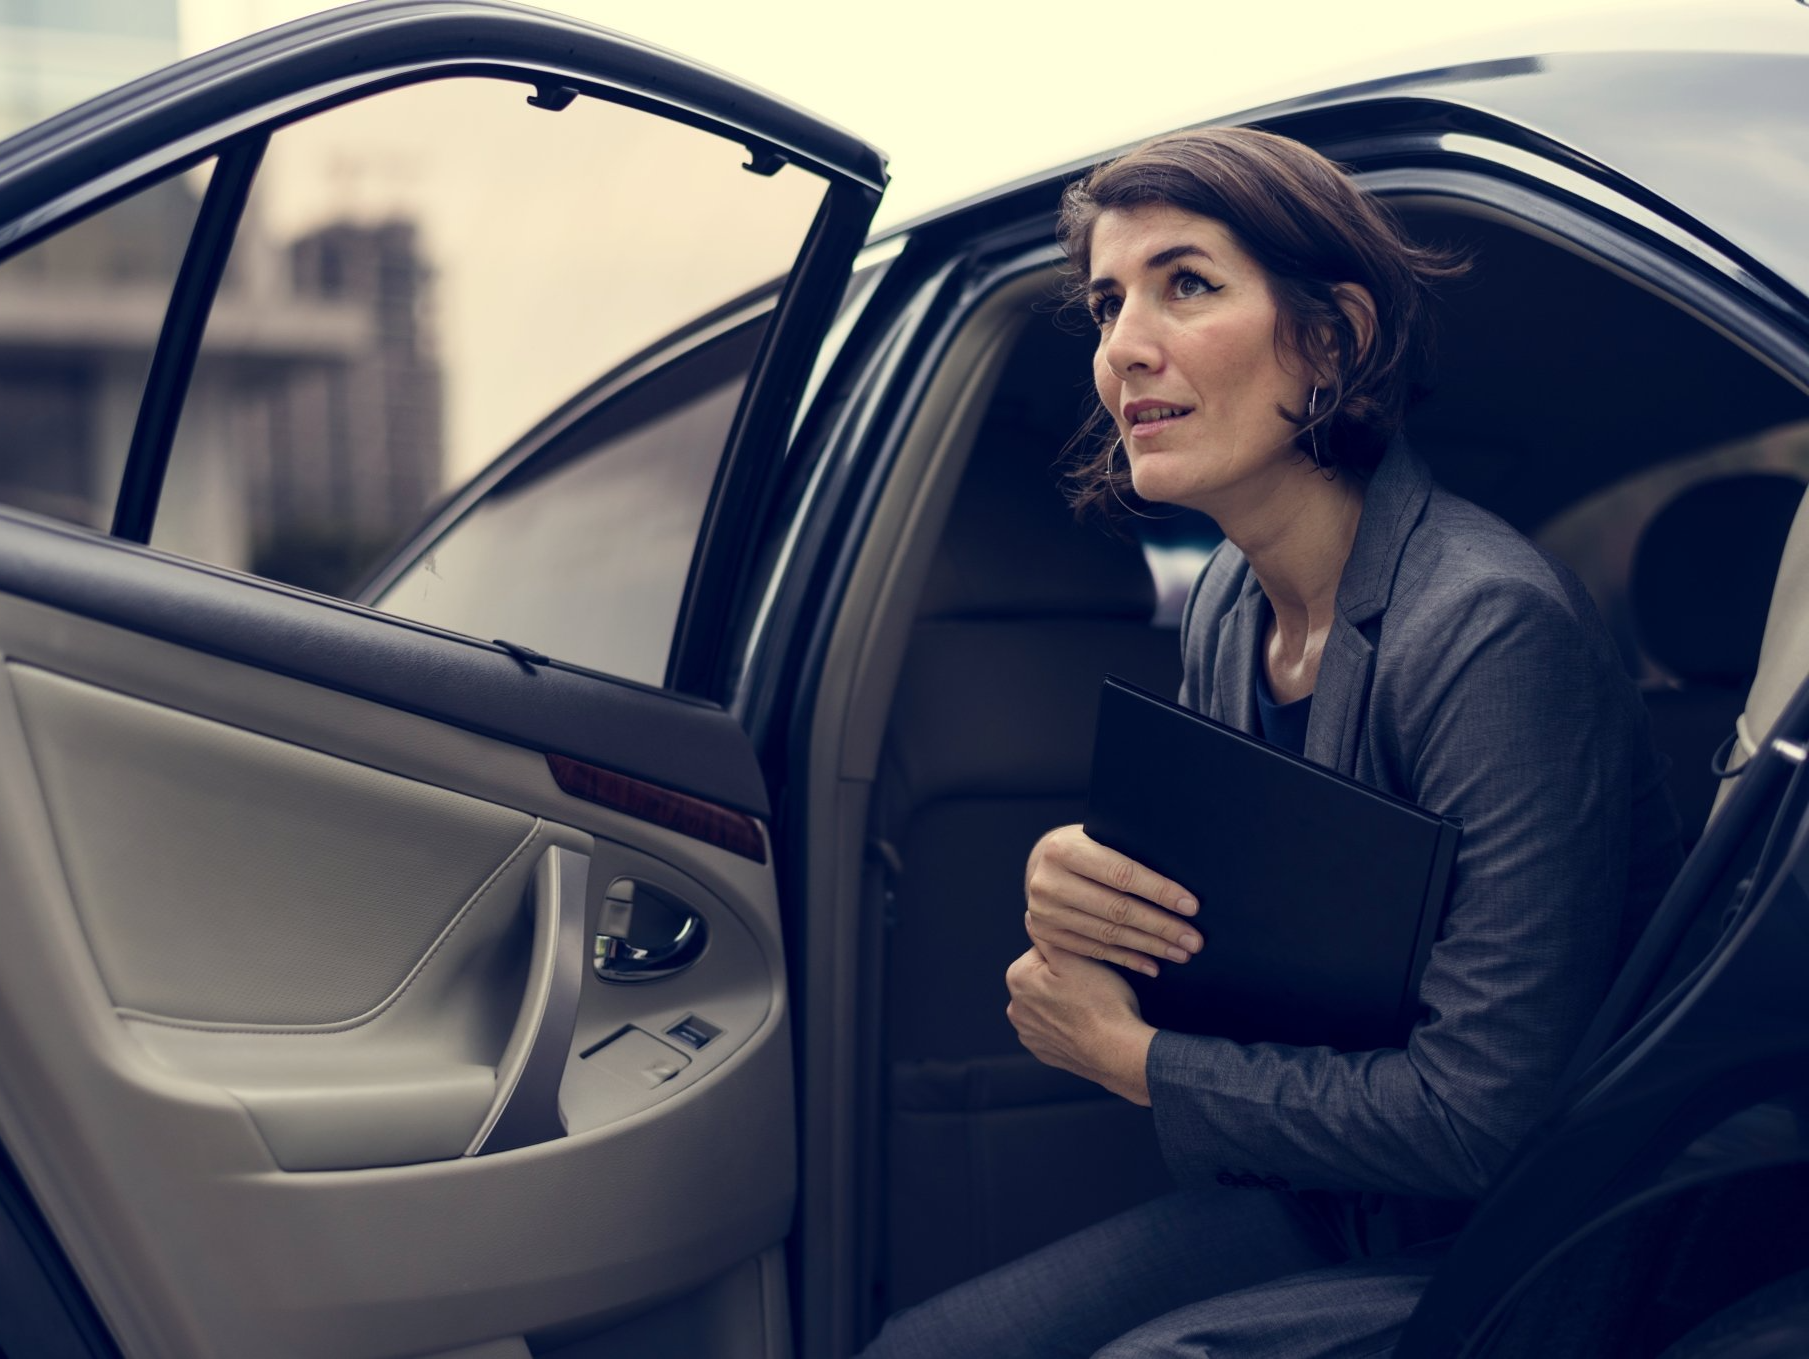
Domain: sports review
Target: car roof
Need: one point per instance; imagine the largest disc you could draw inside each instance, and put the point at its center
(1698, 115)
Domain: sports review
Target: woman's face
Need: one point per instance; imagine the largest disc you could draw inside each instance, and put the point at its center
(1187, 360)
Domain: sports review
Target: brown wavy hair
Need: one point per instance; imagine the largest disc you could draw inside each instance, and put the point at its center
(1311, 228)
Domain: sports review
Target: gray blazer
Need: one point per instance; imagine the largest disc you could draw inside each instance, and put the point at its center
(1470, 672)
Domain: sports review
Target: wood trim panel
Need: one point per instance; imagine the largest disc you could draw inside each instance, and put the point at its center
(734, 831)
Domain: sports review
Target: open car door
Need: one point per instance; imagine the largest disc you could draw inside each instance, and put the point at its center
(369, 989)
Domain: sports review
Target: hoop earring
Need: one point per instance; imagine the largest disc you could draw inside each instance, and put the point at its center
(1113, 486)
(1312, 429)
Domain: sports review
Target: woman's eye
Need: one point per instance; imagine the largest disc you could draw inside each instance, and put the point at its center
(1103, 307)
(1186, 283)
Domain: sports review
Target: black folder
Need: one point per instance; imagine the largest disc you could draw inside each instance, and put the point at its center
(1319, 896)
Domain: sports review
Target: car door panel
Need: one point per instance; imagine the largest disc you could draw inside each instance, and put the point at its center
(270, 940)
(688, 746)
(301, 1048)
(292, 921)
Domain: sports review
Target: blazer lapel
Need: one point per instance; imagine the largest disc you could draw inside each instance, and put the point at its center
(1340, 697)
(1393, 502)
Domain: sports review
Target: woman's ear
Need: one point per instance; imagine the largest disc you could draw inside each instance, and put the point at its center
(1359, 310)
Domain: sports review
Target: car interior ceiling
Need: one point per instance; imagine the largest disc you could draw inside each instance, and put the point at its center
(1656, 456)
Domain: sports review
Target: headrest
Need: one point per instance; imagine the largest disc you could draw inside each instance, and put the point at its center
(1703, 571)
(1012, 546)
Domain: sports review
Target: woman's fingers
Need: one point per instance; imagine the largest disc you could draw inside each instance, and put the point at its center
(1046, 936)
(1104, 912)
(1096, 902)
(1093, 860)
(1071, 849)
(1109, 920)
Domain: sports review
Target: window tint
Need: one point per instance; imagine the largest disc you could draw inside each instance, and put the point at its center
(79, 318)
(422, 277)
(583, 551)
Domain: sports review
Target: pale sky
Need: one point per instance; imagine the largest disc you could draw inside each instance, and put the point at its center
(964, 93)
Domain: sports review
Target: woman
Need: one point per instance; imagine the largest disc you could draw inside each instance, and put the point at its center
(1260, 323)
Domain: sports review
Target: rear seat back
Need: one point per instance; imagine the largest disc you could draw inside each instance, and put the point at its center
(1784, 652)
(1701, 575)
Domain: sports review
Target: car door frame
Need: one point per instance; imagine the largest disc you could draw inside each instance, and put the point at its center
(1399, 137)
(81, 162)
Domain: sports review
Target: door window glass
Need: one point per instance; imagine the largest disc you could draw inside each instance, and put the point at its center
(582, 551)
(79, 318)
(421, 277)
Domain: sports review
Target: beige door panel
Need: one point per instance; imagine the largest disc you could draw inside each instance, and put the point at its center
(357, 729)
(281, 960)
(229, 880)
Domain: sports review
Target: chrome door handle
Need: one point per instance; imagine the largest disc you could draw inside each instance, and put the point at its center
(645, 933)
(618, 960)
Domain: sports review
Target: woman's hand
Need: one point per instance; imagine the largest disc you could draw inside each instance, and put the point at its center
(1079, 1015)
(1084, 898)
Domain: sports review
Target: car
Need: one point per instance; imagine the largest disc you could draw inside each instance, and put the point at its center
(568, 919)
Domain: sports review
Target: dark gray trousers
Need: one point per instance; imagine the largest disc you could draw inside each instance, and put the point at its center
(1199, 1274)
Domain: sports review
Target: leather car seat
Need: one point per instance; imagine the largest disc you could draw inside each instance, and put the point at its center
(989, 745)
(1783, 653)
(1701, 575)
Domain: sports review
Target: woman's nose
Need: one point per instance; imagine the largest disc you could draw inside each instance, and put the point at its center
(1131, 344)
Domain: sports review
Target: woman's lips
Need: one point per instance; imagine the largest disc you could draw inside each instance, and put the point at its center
(1147, 428)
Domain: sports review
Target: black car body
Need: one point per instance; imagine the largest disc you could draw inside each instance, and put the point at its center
(433, 968)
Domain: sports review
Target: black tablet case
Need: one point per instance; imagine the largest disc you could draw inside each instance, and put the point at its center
(1319, 896)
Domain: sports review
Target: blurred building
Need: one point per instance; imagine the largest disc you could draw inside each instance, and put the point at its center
(312, 436)
(342, 457)
(78, 319)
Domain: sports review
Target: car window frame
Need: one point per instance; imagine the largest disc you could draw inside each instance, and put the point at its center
(78, 163)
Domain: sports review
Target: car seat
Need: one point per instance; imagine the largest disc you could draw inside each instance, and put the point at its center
(989, 745)
(1783, 654)
(1701, 575)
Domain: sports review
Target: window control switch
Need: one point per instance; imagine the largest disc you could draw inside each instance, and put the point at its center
(693, 1032)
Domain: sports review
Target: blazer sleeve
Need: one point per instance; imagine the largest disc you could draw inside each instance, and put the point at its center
(1513, 722)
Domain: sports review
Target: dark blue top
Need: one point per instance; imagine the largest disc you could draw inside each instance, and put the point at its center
(1283, 724)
